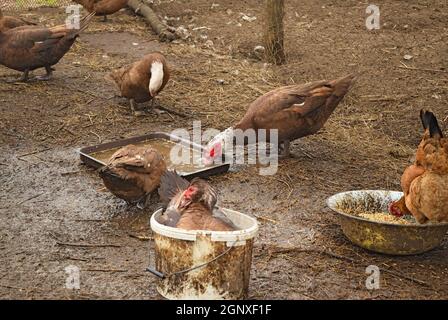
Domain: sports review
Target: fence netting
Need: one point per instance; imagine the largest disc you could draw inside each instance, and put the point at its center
(16, 5)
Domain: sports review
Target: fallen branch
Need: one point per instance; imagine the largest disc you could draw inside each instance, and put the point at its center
(158, 27)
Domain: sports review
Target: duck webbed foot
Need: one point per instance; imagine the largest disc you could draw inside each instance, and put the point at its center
(137, 113)
(283, 150)
(47, 76)
(23, 78)
(144, 202)
(105, 18)
(155, 108)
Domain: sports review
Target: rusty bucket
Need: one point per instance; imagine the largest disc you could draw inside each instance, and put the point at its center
(206, 265)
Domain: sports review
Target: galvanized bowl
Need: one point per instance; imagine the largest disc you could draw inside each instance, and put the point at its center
(384, 237)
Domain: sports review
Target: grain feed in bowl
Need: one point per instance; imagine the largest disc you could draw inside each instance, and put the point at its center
(371, 207)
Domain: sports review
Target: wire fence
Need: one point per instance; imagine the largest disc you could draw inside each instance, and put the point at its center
(16, 5)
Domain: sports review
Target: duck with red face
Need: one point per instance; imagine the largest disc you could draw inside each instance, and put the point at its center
(293, 111)
(191, 204)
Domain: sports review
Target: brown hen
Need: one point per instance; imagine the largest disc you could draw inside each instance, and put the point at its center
(425, 183)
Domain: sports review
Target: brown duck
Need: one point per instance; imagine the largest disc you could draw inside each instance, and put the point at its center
(8, 22)
(103, 7)
(142, 80)
(133, 173)
(295, 111)
(191, 205)
(31, 47)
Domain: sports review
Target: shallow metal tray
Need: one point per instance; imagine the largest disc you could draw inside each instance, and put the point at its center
(87, 152)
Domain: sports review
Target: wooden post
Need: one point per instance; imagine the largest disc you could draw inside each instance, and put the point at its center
(274, 34)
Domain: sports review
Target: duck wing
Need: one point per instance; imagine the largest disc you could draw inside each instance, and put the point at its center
(296, 110)
(137, 169)
(136, 159)
(171, 185)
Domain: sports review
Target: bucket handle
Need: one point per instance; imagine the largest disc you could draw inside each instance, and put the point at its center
(163, 276)
(156, 273)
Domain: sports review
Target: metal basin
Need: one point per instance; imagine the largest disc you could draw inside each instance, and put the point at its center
(384, 237)
(89, 155)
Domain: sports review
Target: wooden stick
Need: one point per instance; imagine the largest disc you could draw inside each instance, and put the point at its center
(337, 256)
(171, 111)
(255, 89)
(142, 238)
(88, 245)
(421, 69)
(151, 17)
(106, 270)
(31, 198)
(265, 218)
(32, 152)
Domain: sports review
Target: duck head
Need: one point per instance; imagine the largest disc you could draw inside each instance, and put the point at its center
(198, 191)
(214, 148)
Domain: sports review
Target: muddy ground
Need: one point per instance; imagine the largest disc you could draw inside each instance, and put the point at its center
(50, 201)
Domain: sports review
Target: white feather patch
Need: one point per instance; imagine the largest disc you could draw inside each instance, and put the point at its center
(155, 83)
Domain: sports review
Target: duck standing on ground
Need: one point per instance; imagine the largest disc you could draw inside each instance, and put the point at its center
(296, 111)
(143, 80)
(31, 47)
(191, 205)
(133, 173)
(8, 22)
(103, 7)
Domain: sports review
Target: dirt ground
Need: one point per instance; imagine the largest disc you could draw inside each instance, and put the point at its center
(49, 200)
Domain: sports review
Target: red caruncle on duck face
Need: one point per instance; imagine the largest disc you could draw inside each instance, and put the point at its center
(188, 196)
(211, 153)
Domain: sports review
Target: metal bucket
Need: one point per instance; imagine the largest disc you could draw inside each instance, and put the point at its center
(206, 265)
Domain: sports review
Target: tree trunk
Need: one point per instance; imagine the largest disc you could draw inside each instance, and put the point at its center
(274, 31)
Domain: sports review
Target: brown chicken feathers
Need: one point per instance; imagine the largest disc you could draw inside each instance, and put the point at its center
(425, 182)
